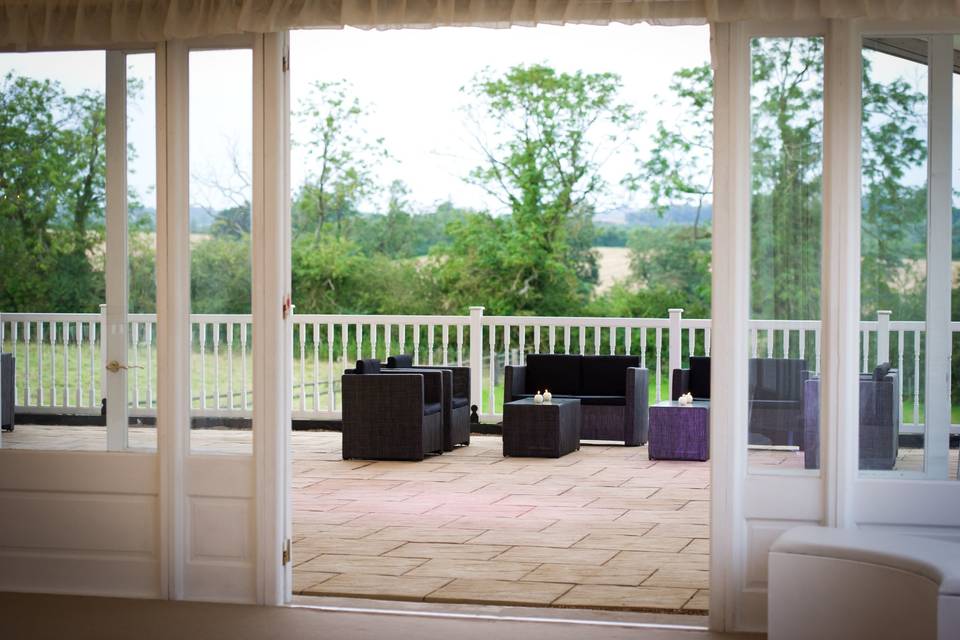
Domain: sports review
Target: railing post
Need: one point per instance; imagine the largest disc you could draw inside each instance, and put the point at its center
(476, 355)
(103, 352)
(675, 348)
(883, 337)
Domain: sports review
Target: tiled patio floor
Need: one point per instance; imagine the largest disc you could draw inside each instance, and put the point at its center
(604, 527)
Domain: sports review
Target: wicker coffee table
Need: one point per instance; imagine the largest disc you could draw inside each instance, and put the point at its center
(679, 432)
(548, 430)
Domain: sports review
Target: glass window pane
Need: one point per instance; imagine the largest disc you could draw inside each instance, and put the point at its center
(221, 159)
(52, 234)
(787, 137)
(893, 254)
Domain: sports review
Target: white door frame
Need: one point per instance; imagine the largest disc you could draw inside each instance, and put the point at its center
(249, 492)
(837, 495)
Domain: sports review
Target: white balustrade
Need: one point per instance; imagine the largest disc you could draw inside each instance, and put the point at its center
(60, 356)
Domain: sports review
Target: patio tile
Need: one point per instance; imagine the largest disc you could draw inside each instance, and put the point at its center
(574, 574)
(475, 569)
(674, 577)
(499, 592)
(641, 598)
(697, 546)
(699, 602)
(303, 580)
(652, 560)
(561, 539)
(489, 522)
(562, 500)
(438, 550)
(632, 543)
(377, 565)
(417, 534)
(377, 586)
(569, 513)
(362, 547)
(573, 555)
(680, 530)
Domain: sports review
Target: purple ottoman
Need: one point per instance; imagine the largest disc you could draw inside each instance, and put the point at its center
(679, 433)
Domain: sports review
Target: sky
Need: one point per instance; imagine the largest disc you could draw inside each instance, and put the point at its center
(410, 81)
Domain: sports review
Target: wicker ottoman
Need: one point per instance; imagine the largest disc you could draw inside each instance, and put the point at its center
(679, 432)
(548, 430)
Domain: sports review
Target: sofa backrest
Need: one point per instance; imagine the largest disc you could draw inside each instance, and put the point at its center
(368, 365)
(700, 376)
(402, 361)
(558, 373)
(776, 378)
(605, 375)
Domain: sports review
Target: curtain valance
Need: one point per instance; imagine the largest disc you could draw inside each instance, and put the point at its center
(53, 23)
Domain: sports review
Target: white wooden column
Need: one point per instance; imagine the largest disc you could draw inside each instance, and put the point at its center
(173, 307)
(840, 271)
(272, 316)
(730, 312)
(114, 339)
(939, 233)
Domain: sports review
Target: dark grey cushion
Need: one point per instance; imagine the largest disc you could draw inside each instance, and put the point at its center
(776, 379)
(402, 361)
(605, 375)
(370, 365)
(558, 373)
(431, 407)
(881, 371)
(699, 376)
(459, 401)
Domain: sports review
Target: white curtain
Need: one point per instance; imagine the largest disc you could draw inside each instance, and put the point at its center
(59, 23)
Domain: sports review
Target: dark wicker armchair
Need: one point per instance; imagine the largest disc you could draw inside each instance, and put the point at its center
(456, 398)
(879, 419)
(391, 416)
(776, 401)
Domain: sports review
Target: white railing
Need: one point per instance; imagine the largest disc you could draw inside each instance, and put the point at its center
(60, 359)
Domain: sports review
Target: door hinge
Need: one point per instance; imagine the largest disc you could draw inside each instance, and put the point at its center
(286, 552)
(286, 62)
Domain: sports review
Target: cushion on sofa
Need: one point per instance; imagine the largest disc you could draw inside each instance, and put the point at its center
(776, 378)
(700, 376)
(605, 375)
(430, 408)
(881, 371)
(460, 401)
(403, 361)
(558, 373)
(370, 365)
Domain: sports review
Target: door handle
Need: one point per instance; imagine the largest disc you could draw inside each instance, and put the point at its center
(113, 366)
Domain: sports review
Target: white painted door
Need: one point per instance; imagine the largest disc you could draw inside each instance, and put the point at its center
(767, 265)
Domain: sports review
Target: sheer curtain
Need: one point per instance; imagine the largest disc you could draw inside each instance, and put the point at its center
(56, 23)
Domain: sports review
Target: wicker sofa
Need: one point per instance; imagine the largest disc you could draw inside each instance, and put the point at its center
(776, 401)
(391, 416)
(879, 419)
(612, 391)
(456, 398)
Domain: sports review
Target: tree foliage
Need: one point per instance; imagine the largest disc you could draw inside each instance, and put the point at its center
(52, 170)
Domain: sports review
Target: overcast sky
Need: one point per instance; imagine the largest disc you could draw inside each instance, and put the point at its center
(410, 80)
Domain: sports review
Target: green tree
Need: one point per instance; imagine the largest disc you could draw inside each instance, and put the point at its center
(343, 158)
(52, 173)
(544, 135)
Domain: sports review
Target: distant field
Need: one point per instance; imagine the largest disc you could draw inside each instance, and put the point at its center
(614, 266)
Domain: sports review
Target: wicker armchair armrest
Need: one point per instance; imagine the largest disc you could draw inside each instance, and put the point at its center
(514, 382)
(681, 383)
(636, 414)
